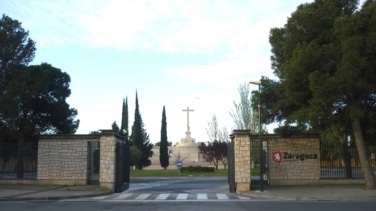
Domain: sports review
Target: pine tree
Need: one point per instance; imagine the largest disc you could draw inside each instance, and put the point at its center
(163, 149)
(140, 139)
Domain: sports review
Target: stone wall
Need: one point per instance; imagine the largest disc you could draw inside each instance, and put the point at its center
(108, 160)
(64, 158)
(290, 161)
(294, 160)
(242, 159)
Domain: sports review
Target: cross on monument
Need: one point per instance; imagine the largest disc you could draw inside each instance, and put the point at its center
(188, 133)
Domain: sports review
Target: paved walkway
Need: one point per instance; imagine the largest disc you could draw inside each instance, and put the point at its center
(47, 192)
(299, 193)
(315, 193)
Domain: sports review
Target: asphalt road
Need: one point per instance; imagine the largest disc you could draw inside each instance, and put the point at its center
(179, 184)
(191, 187)
(182, 206)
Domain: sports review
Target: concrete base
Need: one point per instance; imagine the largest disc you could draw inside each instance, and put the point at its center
(108, 186)
(243, 186)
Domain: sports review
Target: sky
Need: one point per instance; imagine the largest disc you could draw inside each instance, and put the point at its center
(173, 53)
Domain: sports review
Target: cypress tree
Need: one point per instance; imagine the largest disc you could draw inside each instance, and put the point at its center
(140, 139)
(124, 119)
(115, 127)
(163, 149)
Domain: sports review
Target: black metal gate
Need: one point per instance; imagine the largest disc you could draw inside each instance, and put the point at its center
(259, 165)
(94, 162)
(340, 160)
(231, 167)
(122, 167)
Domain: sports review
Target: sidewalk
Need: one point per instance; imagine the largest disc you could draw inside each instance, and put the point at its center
(314, 193)
(294, 193)
(47, 192)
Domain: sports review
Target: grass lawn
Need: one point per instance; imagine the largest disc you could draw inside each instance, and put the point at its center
(174, 173)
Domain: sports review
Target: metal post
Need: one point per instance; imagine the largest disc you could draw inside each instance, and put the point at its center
(261, 144)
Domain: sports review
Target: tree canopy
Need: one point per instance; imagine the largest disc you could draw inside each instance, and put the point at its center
(140, 139)
(124, 130)
(214, 152)
(163, 148)
(244, 115)
(16, 48)
(214, 133)
(324, 57)
(32, 98)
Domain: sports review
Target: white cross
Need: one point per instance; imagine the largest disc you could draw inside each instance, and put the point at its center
(188, 110)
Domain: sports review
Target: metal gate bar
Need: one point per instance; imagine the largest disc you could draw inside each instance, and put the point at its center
(94, 162)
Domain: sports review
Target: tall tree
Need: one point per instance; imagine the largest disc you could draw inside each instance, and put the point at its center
(357, 35)
(33, 103)
(214, 133)
(163, 148)
(124, 130)
(32, 98)
(140, 139)
(324, 57)
(244, 116)
(16, 48)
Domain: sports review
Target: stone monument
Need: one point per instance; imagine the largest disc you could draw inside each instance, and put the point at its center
(186, 150)
(187, 141)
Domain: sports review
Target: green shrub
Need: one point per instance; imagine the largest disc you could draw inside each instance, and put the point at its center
(197, 169)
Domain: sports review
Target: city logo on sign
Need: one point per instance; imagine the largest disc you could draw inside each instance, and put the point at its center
(277, 156)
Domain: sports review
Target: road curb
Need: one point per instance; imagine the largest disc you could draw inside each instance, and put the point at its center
(53, 198)
(306, 198)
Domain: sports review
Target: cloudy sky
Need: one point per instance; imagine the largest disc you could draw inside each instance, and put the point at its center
(175, 53)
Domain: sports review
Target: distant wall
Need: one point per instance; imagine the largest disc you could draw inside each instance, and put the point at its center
(189, 155)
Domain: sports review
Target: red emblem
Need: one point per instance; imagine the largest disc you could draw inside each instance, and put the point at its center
(277, 156)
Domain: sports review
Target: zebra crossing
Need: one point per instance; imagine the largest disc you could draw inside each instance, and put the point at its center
(140, 186)
(142, 196)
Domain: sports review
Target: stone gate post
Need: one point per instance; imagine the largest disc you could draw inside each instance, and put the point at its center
(242, 154)
(107, 160)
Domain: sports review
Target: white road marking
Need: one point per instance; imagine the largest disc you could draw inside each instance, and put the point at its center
(202, 196)
(222, 196)
(182, 196)
(142, 196)
(162, 196)
(123, 196)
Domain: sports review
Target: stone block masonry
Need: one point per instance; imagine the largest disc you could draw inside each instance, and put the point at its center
(242, 159)
(108, 161)
(64, 158)
(290, 161)
(294, 159)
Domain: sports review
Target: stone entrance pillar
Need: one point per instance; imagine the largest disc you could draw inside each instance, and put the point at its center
(242, 153)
